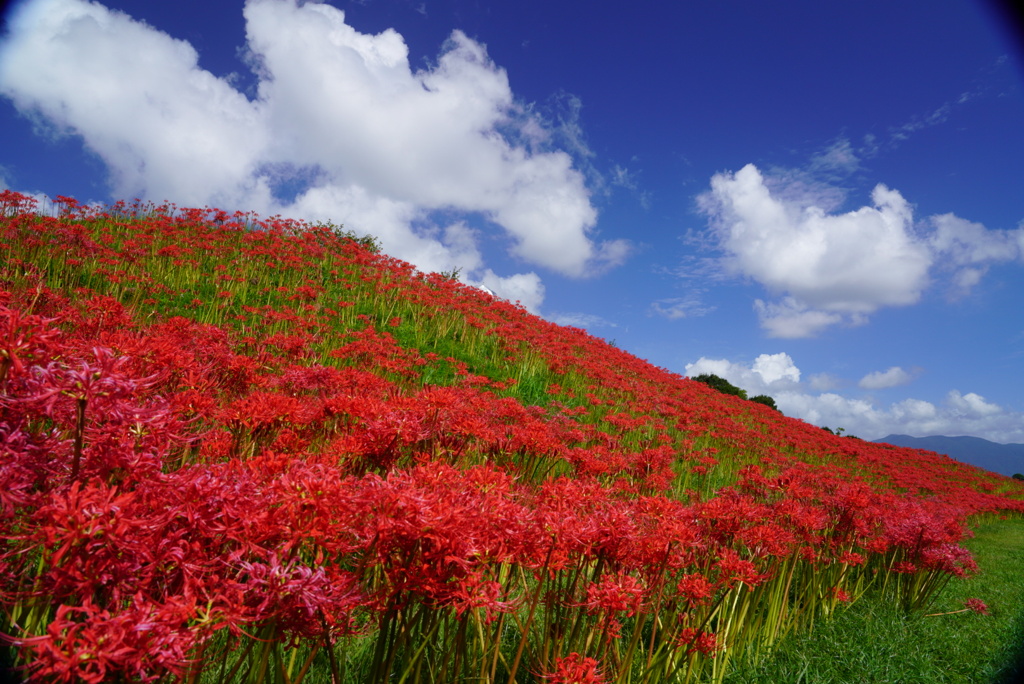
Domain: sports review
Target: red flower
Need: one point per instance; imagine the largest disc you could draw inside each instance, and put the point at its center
(851, 558)
(733, 569)
(618, 593)
(698, 642)
(977, 605)
(575, 669)
(696, 588)
(87, 644)
(905, 568)
(840, 595)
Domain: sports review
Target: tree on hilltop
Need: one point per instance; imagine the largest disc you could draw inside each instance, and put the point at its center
(766, 400)
(720, 384)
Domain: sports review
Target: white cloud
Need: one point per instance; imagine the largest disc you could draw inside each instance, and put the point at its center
(342, 128)
(892, 377)
(969, 248)
(768, 373)
(137, 96)
(775, 367)
(967, 242)
(838, 160)
(778, 376)
(838, 268)
(848, 264)
(971, 404)
(525, 288)
(792, 319)
(959, 414)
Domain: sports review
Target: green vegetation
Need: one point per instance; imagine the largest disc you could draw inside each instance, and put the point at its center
(766, 400)
(725, 387)
(720, 384)
(875, 642)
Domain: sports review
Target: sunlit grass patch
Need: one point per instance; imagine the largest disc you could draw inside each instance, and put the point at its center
(874, 641)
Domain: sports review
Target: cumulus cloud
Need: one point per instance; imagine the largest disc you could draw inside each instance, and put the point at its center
(136, 95)
(892, 377)
(815, 402)
(971, 404)
(774, 368)
(830, 268)
(524, 288)
(844, 265)
(768, 373)
(341, 128)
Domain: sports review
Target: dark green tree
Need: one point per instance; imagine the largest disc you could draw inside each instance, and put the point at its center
(766, 400)
(720, 384)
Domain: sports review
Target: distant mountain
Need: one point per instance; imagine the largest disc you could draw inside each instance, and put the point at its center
(1005, 459)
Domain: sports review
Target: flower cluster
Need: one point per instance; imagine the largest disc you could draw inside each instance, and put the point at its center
(241, 449)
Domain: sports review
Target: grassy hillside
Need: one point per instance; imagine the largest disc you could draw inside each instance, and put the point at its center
(257, 450)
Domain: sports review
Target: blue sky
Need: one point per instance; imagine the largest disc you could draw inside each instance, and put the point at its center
(823, 202)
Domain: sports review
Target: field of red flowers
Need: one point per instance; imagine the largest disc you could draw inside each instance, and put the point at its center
(236, 449)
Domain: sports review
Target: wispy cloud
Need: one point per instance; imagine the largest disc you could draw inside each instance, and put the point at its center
(581, 320)
(628, 179)
(676, 308)
(893, 377)
(985, 85)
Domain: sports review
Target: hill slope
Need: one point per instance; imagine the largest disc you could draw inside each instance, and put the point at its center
(262, 449)
(1006, 459)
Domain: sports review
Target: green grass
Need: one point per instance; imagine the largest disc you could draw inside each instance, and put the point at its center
(875, 642)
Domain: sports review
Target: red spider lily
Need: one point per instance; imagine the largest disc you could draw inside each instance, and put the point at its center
(104, 413)
(696, 641)
(976, 605)
(294, 596)
(768, 539)
(261, 412)
(904, 568)
(23, 339)
(697, 589)
(15, 204)
(93, 540)
(575, 669)
(840, 595)
(473, 592)
(87, 644)
(732, 569)
(851, 558)
(615, 594)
